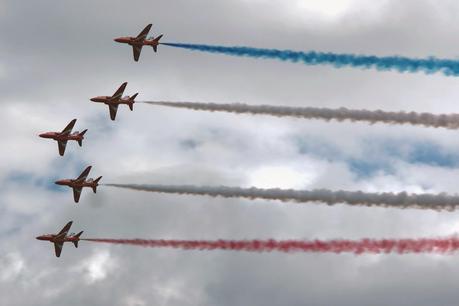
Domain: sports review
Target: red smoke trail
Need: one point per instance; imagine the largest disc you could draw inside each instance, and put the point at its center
(364, 246)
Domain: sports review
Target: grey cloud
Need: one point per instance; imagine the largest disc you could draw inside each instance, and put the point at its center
(56, 55)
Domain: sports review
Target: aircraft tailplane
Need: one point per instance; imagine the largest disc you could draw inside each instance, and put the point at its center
(131, 101)
(78, 236)
(96, 181)
(156, 40)
(80, 142)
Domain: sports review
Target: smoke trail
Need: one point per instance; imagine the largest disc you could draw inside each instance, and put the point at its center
(450, 121)
(401, 64)
(354, 198)
(364, 246)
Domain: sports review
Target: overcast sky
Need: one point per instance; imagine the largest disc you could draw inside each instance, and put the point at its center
(55, 55)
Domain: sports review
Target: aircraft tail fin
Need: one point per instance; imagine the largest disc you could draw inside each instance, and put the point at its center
(96, 182)
(80, 142)
(134, 96)
(156, 40)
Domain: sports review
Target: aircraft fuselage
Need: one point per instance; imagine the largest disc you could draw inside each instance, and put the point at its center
(62, 137)
(133, 41)
(109, 100)
(55, 239)
(76, 184)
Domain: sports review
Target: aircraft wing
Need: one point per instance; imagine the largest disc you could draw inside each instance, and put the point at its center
(61, 145)
(76, 193)
(69, 127)
(66, 229)
(113, 108)
(119, 93)
(142, 35)
(84, 174)
(58, 248)
(136, 51)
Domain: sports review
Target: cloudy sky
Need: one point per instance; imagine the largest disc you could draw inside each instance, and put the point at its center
(55, 55)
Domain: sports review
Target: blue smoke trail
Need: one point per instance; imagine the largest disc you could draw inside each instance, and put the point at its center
(401, 64)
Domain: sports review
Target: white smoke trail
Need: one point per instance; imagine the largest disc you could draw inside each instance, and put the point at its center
(354, 198)
(449, 121)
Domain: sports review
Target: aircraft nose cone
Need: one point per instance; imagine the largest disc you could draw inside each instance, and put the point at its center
(41, 135)
(117, 39)
(59, 182)
(93, 99)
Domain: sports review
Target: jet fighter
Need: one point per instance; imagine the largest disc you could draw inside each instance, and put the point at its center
(116, 99)
(64, 136)
(61, 237)
(139, 41)
(80, 182)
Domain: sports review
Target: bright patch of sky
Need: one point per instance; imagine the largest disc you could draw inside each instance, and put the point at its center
(11, 266)
(303, 11)
(281, 177)
(98, 266)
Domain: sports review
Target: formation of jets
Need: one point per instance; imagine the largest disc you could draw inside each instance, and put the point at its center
(111, 101)
(66, 135)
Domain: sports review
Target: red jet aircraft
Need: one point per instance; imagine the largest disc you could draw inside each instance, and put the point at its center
(80, 182)
(139, 41)
(61, 237)
(116, 99)
(64, 136)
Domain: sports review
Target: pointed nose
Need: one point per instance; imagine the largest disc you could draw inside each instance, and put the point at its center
(42, 135)
(118, 39)
(60, 182)
(93, 99)
(39, 237)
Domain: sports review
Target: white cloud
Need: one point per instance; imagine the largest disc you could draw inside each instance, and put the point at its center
(328, 11)
(98, 266)
(70, 61)
(281, 177)
(135, 301)
(11, 266)
(333, 9)
(176, 291)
